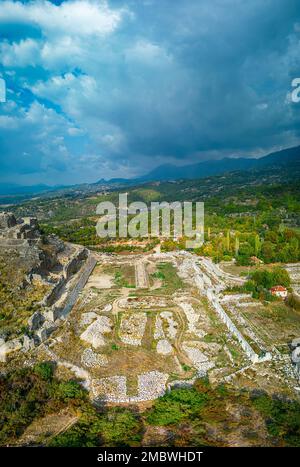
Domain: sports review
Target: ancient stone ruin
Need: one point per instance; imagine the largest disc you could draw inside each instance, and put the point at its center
(24, 229)
(63, 268)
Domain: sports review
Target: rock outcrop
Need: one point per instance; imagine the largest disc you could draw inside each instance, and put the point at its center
(62, 267)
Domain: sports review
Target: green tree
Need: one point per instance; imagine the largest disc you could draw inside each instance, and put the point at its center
(257, 245)
(175, 406)
(118, 427)
(268, 252)
(237, 245)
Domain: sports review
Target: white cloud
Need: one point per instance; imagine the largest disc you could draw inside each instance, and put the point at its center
(65, 31)
(76, 17)
(73, 131)
(60, 86)
(19, 54)
(262, 106)
(147, 52)
(176, 81)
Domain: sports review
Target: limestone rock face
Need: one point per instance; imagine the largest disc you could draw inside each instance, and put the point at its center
(295, 343)
(35, 321)
(28, 343)
(8, 347)
(45, 330)
(75, 262)
(296, 355)
(7, 220)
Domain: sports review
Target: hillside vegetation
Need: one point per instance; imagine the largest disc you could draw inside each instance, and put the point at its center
(245, 216)
(196, 416)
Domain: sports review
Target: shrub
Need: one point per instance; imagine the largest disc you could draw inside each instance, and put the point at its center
(267, 279)
(118, 427)
(177, 405)
(44, 370)
(76, 436)
(282, 418)
(70, 390)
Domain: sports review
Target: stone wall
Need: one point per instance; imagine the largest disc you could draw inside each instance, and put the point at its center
(23, 229)
(84, 276)
(74, 264)
(231, 326)
(7, 220)
(55, 313)
(214, 301)
(72, 267)
(54, 293)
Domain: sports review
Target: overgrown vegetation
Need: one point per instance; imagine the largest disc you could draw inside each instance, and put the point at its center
(196, 416)
(244, 218)
(176, 406)
(30, 393)
(282, 418)
(18, 299)
(111, 427)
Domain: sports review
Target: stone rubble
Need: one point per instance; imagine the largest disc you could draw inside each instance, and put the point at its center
(164, 347)
(172, 325)
(132, 328)
(198, 358)
(192, 319)
(88, 318)
(94, 334)
(111, 389)
(151, 385)
(158, 330)
(93, 360)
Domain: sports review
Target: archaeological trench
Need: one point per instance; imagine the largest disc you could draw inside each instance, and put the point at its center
(131, 327)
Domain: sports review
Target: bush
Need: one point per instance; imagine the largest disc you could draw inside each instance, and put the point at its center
(23, 396)
(44, 370)
(177, 405)
(70, 390)
(227, 258)
(243, 260)
(118, 427)
(294, 301)
(77, 436)
(114, 427)
(282, 418)
(267, 279)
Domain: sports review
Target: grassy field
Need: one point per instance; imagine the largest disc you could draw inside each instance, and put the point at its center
(168, 278)
(275, 322)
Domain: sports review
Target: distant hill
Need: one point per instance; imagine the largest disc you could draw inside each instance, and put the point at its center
(287, 157)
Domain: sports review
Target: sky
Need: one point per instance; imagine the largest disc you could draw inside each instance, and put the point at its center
(102, 89)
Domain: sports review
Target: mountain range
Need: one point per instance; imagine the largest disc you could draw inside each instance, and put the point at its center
(287, 158)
